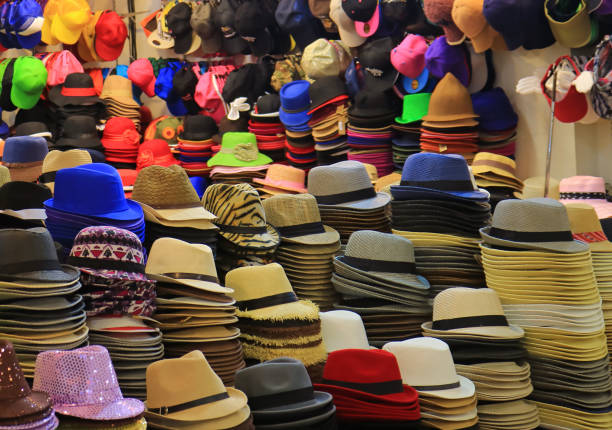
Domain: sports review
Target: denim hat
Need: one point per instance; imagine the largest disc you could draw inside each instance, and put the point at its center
(93, 190)
(439, 177)
(24, 149)
(295, 18)
(442, 58)
(295, 102)
(495, 111)
(26, 20)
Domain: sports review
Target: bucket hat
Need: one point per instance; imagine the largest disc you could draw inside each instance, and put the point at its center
(79, 131)
(56, 160)
(239, 149)
(77, 89)
(346, 26)
(538, 223)
(343, 330)
(345, 184)
(110, 35)
(469, 18)
(469, 311)
(450, 101)
(439, 12)
(99, 190)
(280, 179)
(586, 227)
(590, 190)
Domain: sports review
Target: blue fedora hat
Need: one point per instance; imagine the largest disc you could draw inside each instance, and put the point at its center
(437, 176)
(25, 149)
(93, 190)
(295, 102)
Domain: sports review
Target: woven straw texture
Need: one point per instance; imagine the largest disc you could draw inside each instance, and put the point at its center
(288, 210)
(374, 245)
(159, 186)
(341, 177)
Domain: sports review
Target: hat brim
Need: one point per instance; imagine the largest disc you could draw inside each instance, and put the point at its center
(67, 274)
(267, 240)
(302, 423)
(294, 119)
(299, 310)
(228, 160)
(405, 279)
(276, 185)
(229, 421)
(568, 247)
(381, 200)
(133, 211)
(193, 283)
(117, 410)
(404, 192)
(367, 29)
(329, 237)
(408, 84)
(466, 389)
(503, 332)
(285, 412)
(181, 214)
(382, 400)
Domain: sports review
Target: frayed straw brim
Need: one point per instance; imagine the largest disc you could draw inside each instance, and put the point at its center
(281, 342)
(309, 356)
(300, 310)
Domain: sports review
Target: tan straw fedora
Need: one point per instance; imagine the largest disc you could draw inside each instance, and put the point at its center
(586, 227)
(5, 175)
(56, 160)
(489, 164)
(538, 223)
(119, 89)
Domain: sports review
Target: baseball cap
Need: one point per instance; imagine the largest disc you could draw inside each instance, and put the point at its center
(294, 17)
(375, 59)
(140, 72)
(72, 17)
(251, 21)
(27, 20)
(224, 19)
(469, 18)
(110, 35)
(203, 25)
(365, 13)
(408, 57)
(49, 14)
(346, 26)
(325, 58)
(442, 58)
(29, 81)
(178, 19)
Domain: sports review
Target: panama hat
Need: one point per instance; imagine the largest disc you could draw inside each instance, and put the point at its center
(538, 223)
(280, 178)
(342, 330)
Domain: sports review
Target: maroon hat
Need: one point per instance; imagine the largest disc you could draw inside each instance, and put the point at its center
(438, 12)
(110, 36)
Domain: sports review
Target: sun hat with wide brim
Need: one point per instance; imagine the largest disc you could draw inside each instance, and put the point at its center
(239, 149)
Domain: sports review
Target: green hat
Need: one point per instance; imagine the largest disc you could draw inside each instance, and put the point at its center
(29, 81)
(239, 149)
(415, 108)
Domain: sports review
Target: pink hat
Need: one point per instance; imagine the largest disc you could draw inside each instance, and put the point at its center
(408, 57)
(439, 12)
(63, 64)
(590, 190)
(82, 383)
(366, 29)
(140, 72)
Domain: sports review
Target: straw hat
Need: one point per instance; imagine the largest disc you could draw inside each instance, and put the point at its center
(488, 162)
(166, 192)
(538, 223)
(177, 262)
(586, 227)
(5, 175)
(471, 311)
(56, 160)
(280, 178)
(586, 189)
(185, 390)
(343, 329)
(450, 101)
(297, 219)
(534, 187)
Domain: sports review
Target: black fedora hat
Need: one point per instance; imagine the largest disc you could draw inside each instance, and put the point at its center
(33, 128)
(79, 131)
(371, 105)
(77, 89)
(198, 128)
(375, 59)
(326, 90)
(19, 195)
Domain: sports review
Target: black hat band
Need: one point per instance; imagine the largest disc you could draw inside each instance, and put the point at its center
(47, 177)
(267, 301)
(191, 276)
(474, 321)
(165, 410)
(583, 196)
(531, 236)
(301, 229)
(376, 388)
(379, 265)
(349, 196)
(105, 264)
(436, 387)
(279, 399)
(443, 185)
(30, 266)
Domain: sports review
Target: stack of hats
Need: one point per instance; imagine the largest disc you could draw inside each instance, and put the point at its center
(244, 236)
(238, 160)
(497, 122)
(497, 174)
(166, 128)
(121, 141)
(194, 310)
(21, 203)
(33, 128)
(273, 322)
(329, 102)
(267, 127)
(307, 246)
(172, 207)
(111, 261)
(281, 179)
(590, 190)
(56, 160)
(356, 377)
(25, 409)
(450, 124)
(280, 393)
(554, 297)
(347, 199)
(154, 152)
(488, 352)
(87, 195)
(79, 132)
(376, 275)
(343, 330)
(39, 310)
(407, 128)
(83, 387)
(295, 104)
(176, 388)
(23, 29)
(119, 98)
(369, 131)
(24, 156)
(447, 400)
(195, 143)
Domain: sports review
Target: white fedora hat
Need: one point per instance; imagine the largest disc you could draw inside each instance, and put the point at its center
(343, 330)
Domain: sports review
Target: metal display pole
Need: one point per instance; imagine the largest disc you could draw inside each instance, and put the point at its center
(550, 135)
(132, 30)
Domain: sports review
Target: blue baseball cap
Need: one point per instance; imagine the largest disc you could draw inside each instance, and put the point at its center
(494, 110)
(442, 58)
(294, 17)
(164, 89)
(8, 39)
(26, 19)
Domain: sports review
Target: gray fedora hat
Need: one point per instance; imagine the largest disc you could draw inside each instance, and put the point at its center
(538, 223)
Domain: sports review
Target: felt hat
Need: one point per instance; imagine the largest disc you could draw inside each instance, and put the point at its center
(414, 108)
(343, 330)
(439, 12)
(56, 160)
(450, 101)
(469, 18)
(24, 155)
(79, 131)
(155, 152)
(239, 150)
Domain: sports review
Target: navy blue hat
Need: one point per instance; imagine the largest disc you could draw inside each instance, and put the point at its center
(295, 18)
(8, 39)
(494, 110)
(439, 177)
(295, 102)
(24, 149)
(23, 19)
(520, 22)
(93, 190)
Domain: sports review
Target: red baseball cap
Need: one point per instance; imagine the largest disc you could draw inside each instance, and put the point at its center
(140, 72)
(110, 36)
(155, 152)
(408, 57)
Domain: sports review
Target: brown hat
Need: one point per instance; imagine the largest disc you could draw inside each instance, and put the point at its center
(468, 16)
(450, 101)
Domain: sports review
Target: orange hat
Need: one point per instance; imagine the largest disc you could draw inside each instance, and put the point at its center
(468, 16)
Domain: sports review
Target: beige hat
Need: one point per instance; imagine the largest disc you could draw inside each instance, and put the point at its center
(534, 187)
(56, 160)
(342, 330)
(5, 175)
(587, 228)
(281, 179)
(325, 58)
(119, 89)
(346, 26)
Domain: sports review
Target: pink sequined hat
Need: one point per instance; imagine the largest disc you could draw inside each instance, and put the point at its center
(82, 383)
(590, 190)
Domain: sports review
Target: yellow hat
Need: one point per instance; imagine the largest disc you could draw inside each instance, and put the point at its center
(85, 45)
(587, 228)
(72, 17)
(50, 14)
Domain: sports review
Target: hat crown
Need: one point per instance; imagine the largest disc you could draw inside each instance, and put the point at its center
(74, 13)
(486, 160)
(343, 330)
(288, 210)
(18, 247)
(273, 377)
(534, 187)
(376, 54)
(531, 215)
(56, 160)
(430, 167)
(24, 149)
(582, 184)
(268, 103)
(294, 95)
(141, 72)
(374, 245)
(78, 80)
(460, 302)
(198, 127)
(18, 195)
(468, 16)
(83, 376)
(12, 382)
(320, 58)
(116, 126)
(117, 86)
(107, 243)
(110, 28)
(361, 366)
(232, 139)
(165, 187)
(270, 279)
(169, 255)
(280, 172)
(30, 75)
(80, 127)
(583, 219)
(450, 100)
(341, 177)
(226, 201)
(31, 127)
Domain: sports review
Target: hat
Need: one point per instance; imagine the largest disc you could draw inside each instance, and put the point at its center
(5, 175)
(185, 391)
(534, 187)
(177, 20)
(415, 107)
(487, 162)
(280, 178)
(154, 152)
(439, 12)
(111, 33)
(375, 60)
(239, 149)
(59, 66)
(77, 89)
(345, 184)
(295, 102)
(325, 58)
(119, 89)
(343, 330)
(33, 128)
(177, 262)
(586, 189)
(573, 107)
(82, 383)
(586, 227)
(140, 72)
(93, 190)
(29, 81)
(56, 160)
(442, 58)
(198, 128)
(294, 17)
(538, 223)
(469, 18)
(72, 16)
(346, 26)
(203, 25)
(426, 364)
(325, 91)
(252, 21)
(24, 156)
(574, 29)
(408, 57)
(85, 45)
(267, 105)
(450, 101)
(366, 15)
(79, 131)
(224, 16)
(27, 21)
(495, 113)
(601, 92)
(373, 103)
(471, 311)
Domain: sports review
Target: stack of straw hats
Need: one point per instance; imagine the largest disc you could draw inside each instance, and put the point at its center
(407, 127)
(193, 310)
(546, 278)
(487, 350)
(280, 393)
(39, 310)
(115, 290)
(281, 179)
(368, 390)
(497, 174)
(195, 143)
(245, 237)
(377, 277)
(269, 131)
(347, 199)
(447, 400)
(119, 98)
(273, 322)
(497, 122)
(307, 246)
(172, 207)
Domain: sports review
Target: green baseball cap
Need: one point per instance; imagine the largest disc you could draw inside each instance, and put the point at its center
(415, 108)
(239, 149)
(29, 81)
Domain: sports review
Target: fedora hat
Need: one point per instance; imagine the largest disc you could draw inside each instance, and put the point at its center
(77, 89)
(297, 219)
(56, 160)
(280, 178)
(177, 262)
(488, 162)
(82, 383)
(345, 185)
(468, 311)
(185, 390)
(538, 223)
(586, 227)
(586, 189)
(426, 364)
(24, 199)
(79, 131)
(167, 193)
(450, 101)
(343, 330)
(240, 216)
